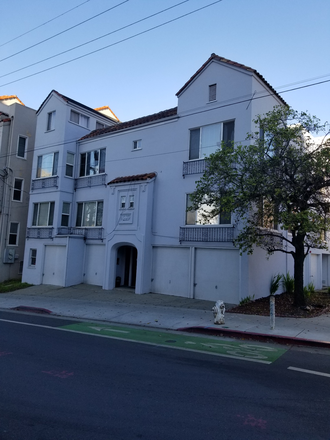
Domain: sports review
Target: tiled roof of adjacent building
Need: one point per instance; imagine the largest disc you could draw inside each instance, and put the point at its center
(135, 122)
(6, 97)
(215, 57)
(136, 178)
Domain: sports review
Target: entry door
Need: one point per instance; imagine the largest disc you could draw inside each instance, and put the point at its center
(130, 266)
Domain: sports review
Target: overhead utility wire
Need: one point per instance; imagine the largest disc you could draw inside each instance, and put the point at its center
(113, 44)
(43, 24)
(65, 30)
(95, 39)
(242, 101)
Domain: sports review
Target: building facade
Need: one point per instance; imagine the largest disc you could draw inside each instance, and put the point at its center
(119, 216)
(17, 137)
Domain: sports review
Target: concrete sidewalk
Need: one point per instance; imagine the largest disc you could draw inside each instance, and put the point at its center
(123, 306)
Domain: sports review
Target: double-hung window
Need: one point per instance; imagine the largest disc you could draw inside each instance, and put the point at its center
(79, 118)
(43, 214)
(208, 139)
(18, 190)
(13, 234)
(65, 214)
(21, 147)
(69, 164)
(33, 257)
(197, 217)
(47, 165)
(92, 162)
(89, 214)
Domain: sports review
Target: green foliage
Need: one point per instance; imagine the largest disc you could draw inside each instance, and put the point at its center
(329, 290)
(275, 284)
(287, 283)
(311, 287)
(279, 177)
(307, 292)
(246, 300)
(12, 285)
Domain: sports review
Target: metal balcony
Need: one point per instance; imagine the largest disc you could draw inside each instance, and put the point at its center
(207, 233)
(47, 182)
(89, 181)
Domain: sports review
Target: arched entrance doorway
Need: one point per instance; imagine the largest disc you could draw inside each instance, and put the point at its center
(126, 266)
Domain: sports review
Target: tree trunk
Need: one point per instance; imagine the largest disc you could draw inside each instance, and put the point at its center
(299, 257)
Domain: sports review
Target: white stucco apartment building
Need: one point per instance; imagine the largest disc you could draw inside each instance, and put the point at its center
(112, 212)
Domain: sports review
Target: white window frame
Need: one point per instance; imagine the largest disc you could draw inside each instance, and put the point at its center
(33, 257)
(137, 144)
(212, 92)
(208, 142)
(99, 125)
(51, 121)
(50, 169)
(86, 159)
(38, 212)
(18, 190)
(69, 165)
(13, 234)
(96, 220)
(131, 201)
(25, 146)
(65, 214)
(83, 120)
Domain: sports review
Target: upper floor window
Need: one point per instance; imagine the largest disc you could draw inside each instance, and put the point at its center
(21, 146)
(69, 164)
(212, 92)
(18, 190)
(43, 214)
(79, 118)
(89, 214)
(207, 139)
(137, 145)
(65, 214)
(197, 217)
(47, 165)
(51, 121)
(99, 125)
(92, 162)
(13, 234)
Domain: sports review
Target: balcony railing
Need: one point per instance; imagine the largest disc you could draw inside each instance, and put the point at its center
(194, 167)
(47, 182)
(207, 233)
(39, 233)
(89, 181)
(87, 233)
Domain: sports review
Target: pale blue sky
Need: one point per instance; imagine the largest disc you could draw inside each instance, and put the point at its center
(286, 41)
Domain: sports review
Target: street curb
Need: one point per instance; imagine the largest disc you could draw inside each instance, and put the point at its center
(31, 309)
(263, 337)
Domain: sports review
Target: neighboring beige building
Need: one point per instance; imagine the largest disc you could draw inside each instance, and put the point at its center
(17, 136)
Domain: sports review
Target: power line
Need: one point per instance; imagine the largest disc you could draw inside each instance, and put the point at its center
(65, 30)
(113, 44)
(43, 24)
(96, 39)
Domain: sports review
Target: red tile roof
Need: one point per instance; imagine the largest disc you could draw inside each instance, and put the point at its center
(4, 97)
(231, 63)
(137, 177)
(135, 122)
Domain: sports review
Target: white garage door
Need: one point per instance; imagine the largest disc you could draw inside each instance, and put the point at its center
(94, 264)
(171, 271)
(217, 275)
(54, 265)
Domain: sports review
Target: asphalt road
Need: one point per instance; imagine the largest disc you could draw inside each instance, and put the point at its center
(61, 381)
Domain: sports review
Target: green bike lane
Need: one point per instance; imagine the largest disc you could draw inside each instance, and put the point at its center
(261, 353)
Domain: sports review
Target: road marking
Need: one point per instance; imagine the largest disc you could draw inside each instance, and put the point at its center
(302, 370)
(198, 344)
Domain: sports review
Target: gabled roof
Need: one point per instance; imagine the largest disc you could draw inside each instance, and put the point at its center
(72, 101)
(156, 117)
(11, 97)
(215, 57)
(136, 178)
